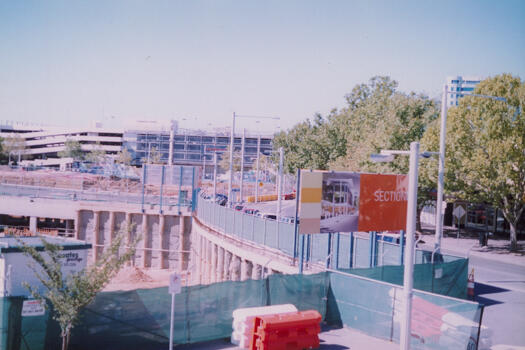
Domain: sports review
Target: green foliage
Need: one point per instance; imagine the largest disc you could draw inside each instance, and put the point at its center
(124, 157)
(485, 157)
(224, 163)
(13, 146)
(380, 117)
(311, 144)
(97, 155)
(72, 150)
(69, 294)
(376, 117)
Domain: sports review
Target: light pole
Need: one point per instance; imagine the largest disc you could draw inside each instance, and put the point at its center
(441, 169)
(408, 278)
(232, 136)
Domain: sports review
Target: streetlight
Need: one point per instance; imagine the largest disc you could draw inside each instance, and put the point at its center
(408, 278)
(441, 170)
(232, 136)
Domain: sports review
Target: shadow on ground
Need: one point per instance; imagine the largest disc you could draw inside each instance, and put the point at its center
(483, 289)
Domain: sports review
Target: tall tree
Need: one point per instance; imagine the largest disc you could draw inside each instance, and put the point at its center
(70, 294)
(124, 157)
(97, 155)
(224, 163)
(14, 146)
(311, 144)
(485, 157)
(72, 149)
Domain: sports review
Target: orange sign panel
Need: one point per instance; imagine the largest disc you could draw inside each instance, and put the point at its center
(383, 202)
(350, 202)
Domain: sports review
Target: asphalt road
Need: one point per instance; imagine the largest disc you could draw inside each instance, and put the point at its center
(501, 288)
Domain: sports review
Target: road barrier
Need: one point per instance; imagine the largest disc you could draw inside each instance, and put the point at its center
(286, 331)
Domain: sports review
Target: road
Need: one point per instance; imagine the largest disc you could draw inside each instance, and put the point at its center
(501, 288)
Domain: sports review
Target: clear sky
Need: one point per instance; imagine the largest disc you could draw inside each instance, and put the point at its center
(69, 63)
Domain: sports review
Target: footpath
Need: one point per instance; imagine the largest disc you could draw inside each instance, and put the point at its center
(466, 244)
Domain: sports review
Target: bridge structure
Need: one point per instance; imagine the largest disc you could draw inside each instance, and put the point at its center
(210, 243)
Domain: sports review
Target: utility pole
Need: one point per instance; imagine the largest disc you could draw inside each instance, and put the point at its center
(242, 164)
(214, 176)
(280, 186)
(230, 183)
(441, 171)
(257, 169)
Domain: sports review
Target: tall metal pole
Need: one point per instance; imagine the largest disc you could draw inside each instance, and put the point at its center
(441, 171)
(230, 182)
(214, 176)
(242, 164)
(408, 278)
(203, 166)
(172, 136)
(280, 187)
(257, 169)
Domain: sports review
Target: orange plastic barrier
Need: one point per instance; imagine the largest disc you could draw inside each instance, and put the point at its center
(286, 331)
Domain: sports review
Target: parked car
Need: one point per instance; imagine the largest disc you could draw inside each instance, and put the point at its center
(221, 199)
(238, 207)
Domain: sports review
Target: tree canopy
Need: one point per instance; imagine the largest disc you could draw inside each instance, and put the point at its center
(485, 148)
(72, 149)
(70, 294)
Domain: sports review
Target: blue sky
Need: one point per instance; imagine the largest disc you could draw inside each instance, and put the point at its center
(70, 63)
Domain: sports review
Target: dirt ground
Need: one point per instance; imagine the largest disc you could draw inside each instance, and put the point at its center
(130, 278)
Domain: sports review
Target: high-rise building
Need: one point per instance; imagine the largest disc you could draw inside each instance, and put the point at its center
(457, 85)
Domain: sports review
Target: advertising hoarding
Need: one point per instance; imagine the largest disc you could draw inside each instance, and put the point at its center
(350, 202)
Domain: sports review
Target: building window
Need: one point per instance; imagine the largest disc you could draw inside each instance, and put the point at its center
(194, 147)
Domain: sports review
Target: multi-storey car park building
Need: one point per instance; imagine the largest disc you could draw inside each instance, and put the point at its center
(44, 143)
(460, 85)
(189, 147)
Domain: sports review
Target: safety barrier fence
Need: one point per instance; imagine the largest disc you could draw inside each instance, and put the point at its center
(140, 319)
(336, 250)
(94, 196)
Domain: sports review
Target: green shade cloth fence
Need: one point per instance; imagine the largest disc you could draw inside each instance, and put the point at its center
(140, 319)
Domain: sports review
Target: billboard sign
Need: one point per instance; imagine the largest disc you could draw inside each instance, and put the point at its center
(350, 202)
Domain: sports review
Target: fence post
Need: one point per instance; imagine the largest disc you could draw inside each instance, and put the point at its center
(161, 187)
(401, 246)
(301, 255)
(143, 186)
(308, 250)
(296, 224)
(371, 249)
(351, 253)
(180, 186)
(337, 251)
(328, 260)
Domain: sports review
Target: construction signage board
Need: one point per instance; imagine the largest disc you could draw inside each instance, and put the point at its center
(33, 307)
(351, 202)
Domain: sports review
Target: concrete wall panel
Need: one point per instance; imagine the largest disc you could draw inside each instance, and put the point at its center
(171, 241)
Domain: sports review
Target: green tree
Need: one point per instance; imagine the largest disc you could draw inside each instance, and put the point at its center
(2, 153)
(72, 149)
(13, 146)
(485, 157)
(124, 157)
(97, 155)
(379, 117)
(311, 144)
(68, 295)
(224, 163)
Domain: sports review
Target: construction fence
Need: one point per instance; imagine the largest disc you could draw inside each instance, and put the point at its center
(347, 252)
(140, 319)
